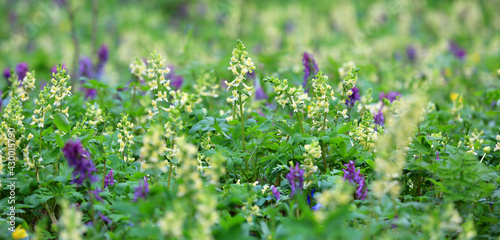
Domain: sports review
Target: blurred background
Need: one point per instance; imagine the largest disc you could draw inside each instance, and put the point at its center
(395, 43)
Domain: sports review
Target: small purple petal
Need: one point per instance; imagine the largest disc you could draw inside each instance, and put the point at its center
(276, 193)
(21, 70)
(355, 96)
(296, 179)
(357, 179)
(80, 160)
(6, 73)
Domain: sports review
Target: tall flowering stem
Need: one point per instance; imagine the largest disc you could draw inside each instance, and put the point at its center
(323, 94)
(295, 97)
(158, 84)
(349, 94)
(240, 65)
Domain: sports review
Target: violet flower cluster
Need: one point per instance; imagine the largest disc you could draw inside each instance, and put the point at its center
(54, 68)
(379, 118)
(21, 70)
(176, 81)
(93, 71)
(80, 160)
(260, 94)
(411, 52)
(457, 50)
(108, 179)
(142, 190)
(95, 193)
(296, 179)
(355, 96)
(391, 96)
(357, 179)
(310, 67)
(275, 192)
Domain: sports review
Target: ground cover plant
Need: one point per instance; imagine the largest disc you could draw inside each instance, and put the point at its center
(250, 120)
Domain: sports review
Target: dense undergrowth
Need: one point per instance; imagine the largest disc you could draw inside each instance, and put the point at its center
(268, 142)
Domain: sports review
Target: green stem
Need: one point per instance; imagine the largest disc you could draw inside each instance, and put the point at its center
(51, 214)
(104, 173)
(242, 118)
(169, 174)
(39, 156)
(133, 103)
(170, 168)
(234, 110)
(298, 116)
(323, 148)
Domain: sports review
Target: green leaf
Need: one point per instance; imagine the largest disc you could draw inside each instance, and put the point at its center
(422, 146)
(237, 133)
(238, 161)
(59, 141)
(284, 128)
(344, 128)
(337, 139)
(218, 140)
(370, 162)
(230, 164)
(62, 123)
(265, 126)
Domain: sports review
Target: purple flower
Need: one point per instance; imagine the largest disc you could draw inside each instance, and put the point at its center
(260, 94)
(317, 207)
(80, 160)
(54, 68)
(411, 52)
(142, 190)
(310, 67)
(95, 193)
(379, 118)
(296, 179)
(223, 84)
(251, 75)
(21, 70)
(90, 93)
(355, 96)
(276, 193)
(104, 218)
(6, 73)
(103, 53)
(109, 179)
(86, 68)
(175, 80)
(102, 56)
(391, 96)
(457, 50)
(357, 179)
(437, 156)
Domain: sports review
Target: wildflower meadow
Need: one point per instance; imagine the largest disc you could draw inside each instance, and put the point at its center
(232, 119)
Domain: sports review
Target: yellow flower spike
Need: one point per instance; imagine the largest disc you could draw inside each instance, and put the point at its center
(19, 233)
(455, 96)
